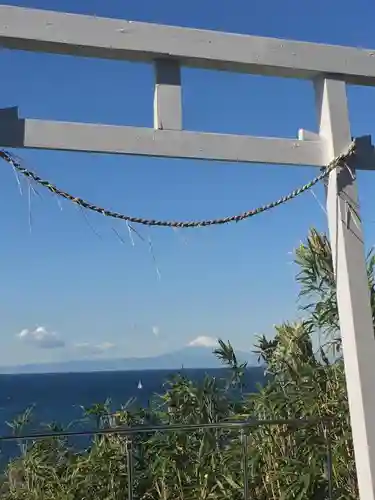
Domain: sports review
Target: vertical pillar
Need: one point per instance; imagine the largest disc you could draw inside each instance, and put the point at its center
(167, 97)
(353, 296)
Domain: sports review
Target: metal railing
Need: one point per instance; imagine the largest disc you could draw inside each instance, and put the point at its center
(243, 427)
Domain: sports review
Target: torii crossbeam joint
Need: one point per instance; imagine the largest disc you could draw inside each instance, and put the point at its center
(168, 48)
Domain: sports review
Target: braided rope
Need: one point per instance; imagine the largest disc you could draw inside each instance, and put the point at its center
(339, 161)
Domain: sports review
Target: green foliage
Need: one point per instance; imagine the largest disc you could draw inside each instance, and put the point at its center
(317, 285)
(285, 460)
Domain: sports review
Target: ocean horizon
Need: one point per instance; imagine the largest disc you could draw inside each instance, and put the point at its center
(59, 397)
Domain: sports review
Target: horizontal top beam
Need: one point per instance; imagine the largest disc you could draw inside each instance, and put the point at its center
(91, 36)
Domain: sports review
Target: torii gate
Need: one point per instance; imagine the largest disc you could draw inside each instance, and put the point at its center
(168, 48)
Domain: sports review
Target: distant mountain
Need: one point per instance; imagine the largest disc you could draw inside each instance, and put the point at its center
(189, 357)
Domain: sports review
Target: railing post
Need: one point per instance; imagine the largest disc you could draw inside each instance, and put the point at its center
(353, 300)
(245, 464)
(129, 464)
(329, 464)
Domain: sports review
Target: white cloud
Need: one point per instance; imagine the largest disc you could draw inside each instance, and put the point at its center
(203, 341)
(155, 330)
(88, 348)
(41, 337)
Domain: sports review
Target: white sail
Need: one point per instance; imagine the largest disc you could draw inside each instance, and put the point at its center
(140, 386)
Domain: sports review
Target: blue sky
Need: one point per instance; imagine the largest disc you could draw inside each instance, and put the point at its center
(67, 293)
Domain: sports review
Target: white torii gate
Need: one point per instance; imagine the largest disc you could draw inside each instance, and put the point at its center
(168, 48)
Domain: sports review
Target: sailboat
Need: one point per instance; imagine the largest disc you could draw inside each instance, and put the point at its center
(140, 386)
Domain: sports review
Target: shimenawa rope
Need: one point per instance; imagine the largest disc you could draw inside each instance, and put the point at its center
(341, 160)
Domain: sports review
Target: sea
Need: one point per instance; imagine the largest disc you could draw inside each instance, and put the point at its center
(59, 397)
